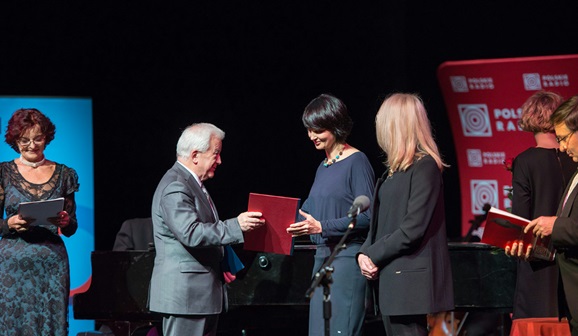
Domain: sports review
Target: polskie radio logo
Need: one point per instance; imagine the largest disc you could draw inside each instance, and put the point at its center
(478, 158)
(465, 84)
(536, 81)
(475, 120)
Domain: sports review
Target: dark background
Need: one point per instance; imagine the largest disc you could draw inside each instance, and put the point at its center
(250, 67)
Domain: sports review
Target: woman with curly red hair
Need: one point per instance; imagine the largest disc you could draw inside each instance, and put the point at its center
(34, 268)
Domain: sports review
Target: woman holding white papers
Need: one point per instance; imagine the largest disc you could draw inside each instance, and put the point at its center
(34, 269)
(341, 177)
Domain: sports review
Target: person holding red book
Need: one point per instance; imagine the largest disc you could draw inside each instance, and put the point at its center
(563, 228)
(341, 177)
(540, 175)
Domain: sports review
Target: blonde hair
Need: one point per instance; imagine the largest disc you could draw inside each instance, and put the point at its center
(404, 132)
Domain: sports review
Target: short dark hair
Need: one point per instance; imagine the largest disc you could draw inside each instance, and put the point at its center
(567, 113)
(24, 119)
(328, 113)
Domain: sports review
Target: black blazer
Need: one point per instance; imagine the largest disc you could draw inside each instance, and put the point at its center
(565, 239)
(407, 241)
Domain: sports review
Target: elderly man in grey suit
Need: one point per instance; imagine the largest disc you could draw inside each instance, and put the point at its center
(187, 284)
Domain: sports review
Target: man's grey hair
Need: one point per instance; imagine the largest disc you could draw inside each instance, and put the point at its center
(197, 137)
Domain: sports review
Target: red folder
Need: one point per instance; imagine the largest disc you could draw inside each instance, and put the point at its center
(503, 228)
(279, 212)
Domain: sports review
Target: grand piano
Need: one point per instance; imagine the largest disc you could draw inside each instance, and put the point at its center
(270, 292)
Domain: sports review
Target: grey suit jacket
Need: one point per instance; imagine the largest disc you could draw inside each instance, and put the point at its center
(187, 277)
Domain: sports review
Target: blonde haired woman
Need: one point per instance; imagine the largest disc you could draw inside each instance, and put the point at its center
(406, 253)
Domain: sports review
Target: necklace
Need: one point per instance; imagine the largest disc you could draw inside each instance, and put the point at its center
(327, 163)
(32, 164)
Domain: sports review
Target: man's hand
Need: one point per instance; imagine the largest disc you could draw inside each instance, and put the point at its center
(250, 220)
(541, 226)
(516, 249)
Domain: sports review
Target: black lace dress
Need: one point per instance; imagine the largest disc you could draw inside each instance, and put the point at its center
(34, 269)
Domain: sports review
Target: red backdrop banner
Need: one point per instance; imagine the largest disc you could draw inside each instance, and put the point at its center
(483, 100)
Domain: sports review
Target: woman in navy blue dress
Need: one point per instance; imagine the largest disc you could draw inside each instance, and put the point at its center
(341, 177)
(34, 269)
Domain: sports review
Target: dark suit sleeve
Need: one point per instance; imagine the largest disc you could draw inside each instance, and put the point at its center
(565, 231)
(425, 186)
(135, 234)
(124, 238)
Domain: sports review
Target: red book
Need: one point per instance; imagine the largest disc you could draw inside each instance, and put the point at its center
(503, 228)
(279, 212)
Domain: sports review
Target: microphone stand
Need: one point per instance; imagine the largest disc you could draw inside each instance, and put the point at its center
(324, 277)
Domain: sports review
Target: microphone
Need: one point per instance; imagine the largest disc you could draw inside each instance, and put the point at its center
(360, 204)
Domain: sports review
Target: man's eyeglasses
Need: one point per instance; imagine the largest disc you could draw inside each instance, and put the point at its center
(564, 138)
(37, 141)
